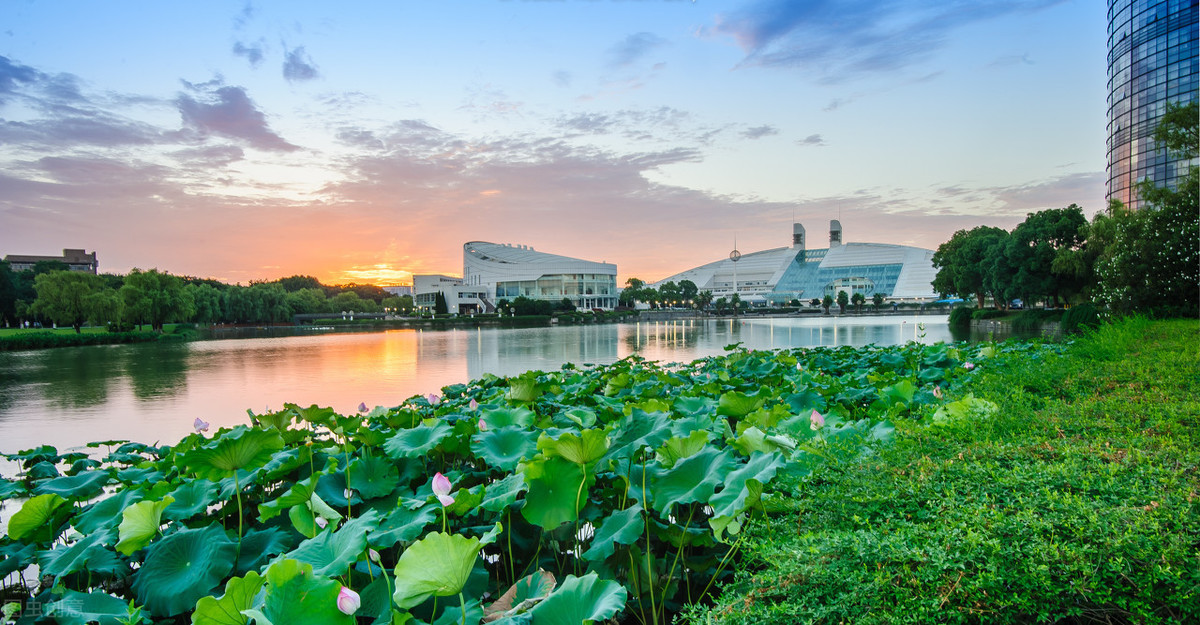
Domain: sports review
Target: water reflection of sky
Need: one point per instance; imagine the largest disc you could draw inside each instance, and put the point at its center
(153, 392)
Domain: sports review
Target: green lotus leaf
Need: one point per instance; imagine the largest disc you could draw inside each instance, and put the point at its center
(505, 447)
(466, 500)
(622, 527)
(280, 420)
(438, 565)
(140, 477)
(30, 457)
(583, 417)
(402, 525)
(737, 404)
(743, 487)
(502, 493)
(691, 480)
(497, 417)
(525, 387)
(106, 513)
(639, 430)
(683, 427)
(227, 609)
(241, 449)
(377, 601)
(15, 557)
(42, 471)
(82, 464)
(754, 440)
(260, 545)
(139, 524)
(582, 449)
(39, 519)
(191, 498)
(298, 494)
(86, 554)
(417, 441)
(557, 492)
(695, 407)
(284, 462)
(372, 476)
(899, 393)
(332, 552)
(678, 447)
(77, 608)
(183, 567)
(521, 596)
(10, 489)
(581, 601)
(313, 414)
(295, 595)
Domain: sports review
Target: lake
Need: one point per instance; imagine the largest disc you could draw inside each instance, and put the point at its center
(152, 392)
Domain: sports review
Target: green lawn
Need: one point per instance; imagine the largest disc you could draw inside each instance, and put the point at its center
(1077, 501)
(167, 328)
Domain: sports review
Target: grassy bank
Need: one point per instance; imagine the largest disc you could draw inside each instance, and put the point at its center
(1074, 501)
(42, 339)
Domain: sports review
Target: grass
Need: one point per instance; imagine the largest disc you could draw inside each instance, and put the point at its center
(167, 329)
(1075, 502)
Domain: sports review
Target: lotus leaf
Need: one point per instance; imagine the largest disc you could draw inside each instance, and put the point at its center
(106, 513)
(298, 494)
(691, 480)
(581, 601)
(15, 557)
(30, 457)
(582, 449)
(77, 608)
(557, 492)
(227, 609)
(39, 519)
(43, 470)
(190, 499)
(622, 527)
(525, 387)
(506, 446)
(639, 430)
(503, 416)
(402, 525)
(183, 567)
(86, 554)
(583, 417)
(139, 524)
(438, 565)
(10, 489)
(260, 545)
(679, 447)
(313, 414)
(295, 595)
(737, 404)
(372, 476)
(417, 441)
(332, 552)
(742, 488)
(502, 493)
(240, 449)
(521, 596)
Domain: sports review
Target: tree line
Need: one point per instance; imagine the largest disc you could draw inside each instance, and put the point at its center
(50, 294)
(1126, 260)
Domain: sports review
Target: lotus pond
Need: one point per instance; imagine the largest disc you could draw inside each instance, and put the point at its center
(615, 492)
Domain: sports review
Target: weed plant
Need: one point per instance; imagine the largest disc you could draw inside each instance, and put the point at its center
(1072, 498)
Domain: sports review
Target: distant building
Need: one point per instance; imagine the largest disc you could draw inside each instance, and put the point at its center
(460, 299)
(898, 272)
(1152, 61)
(399, 291)
(509, 271)
(76, 260)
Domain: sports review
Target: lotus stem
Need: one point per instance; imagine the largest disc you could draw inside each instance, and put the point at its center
(463, 607)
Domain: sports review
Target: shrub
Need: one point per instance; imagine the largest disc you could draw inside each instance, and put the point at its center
(960, 317)
(1078, 317)
(988, 313)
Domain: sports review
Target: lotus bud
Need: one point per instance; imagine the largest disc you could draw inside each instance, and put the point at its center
(200, 425)
(816, 421)
(348, 601)
(362, 406)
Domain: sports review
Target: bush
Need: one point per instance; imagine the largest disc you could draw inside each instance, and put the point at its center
(1032, 320)
(961, 317)
(1078, 317)
(988, 313)
(42, 340)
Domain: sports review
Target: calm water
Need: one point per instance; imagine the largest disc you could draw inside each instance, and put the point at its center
(153, 392)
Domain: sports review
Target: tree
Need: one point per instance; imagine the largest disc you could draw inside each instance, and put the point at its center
(630, 294)
(206, 302)
(307, 301)
(566, 305)
(68, 297)
(703, 299)
(962, 262)
(735, 301)
(155, 297)
(8, 294)
(688, 290)
(439, 304)
(827, 302)
(399, 303)
(271, 302)
(816, 301)
(291, 284)
(858, 299)
(877, 300)
(842, 300)
(1033, 246)
(721, 304)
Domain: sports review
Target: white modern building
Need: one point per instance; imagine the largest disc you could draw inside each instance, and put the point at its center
(460, 299)
(778, 276)
(503, 271)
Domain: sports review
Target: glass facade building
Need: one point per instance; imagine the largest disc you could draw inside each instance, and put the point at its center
(1152, 62)
(510, 271)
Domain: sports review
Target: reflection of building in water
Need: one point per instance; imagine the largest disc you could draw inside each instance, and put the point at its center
(511, 352)
(778, 276)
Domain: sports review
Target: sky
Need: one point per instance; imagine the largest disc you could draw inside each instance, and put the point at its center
(367, 141)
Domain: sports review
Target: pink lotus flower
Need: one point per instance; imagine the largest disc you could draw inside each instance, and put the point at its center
(200, 425)
(321, 522)
(433, 399)
(441, 488)
(937, 392)
(362, 407)
(348, 601)
(482, 425)
(816, 421)
(474, 405)
(968, 366)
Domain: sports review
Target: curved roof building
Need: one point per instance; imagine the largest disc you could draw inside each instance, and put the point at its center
(777, 276)
(509, 271)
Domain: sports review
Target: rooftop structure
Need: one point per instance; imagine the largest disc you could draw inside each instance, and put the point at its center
(510, 271)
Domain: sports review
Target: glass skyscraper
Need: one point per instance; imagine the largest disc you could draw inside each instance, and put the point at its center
(1152, 61)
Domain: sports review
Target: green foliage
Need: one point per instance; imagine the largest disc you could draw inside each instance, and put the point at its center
(960, 317)
(1060, 489)
(71, 298)
(1079, 317)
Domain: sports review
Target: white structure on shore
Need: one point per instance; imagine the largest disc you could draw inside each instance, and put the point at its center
(778, 276)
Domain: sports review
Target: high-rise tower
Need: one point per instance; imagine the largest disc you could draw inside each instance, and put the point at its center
(1152, 61)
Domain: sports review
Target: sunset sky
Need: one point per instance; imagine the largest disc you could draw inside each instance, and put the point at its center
(365, 141)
